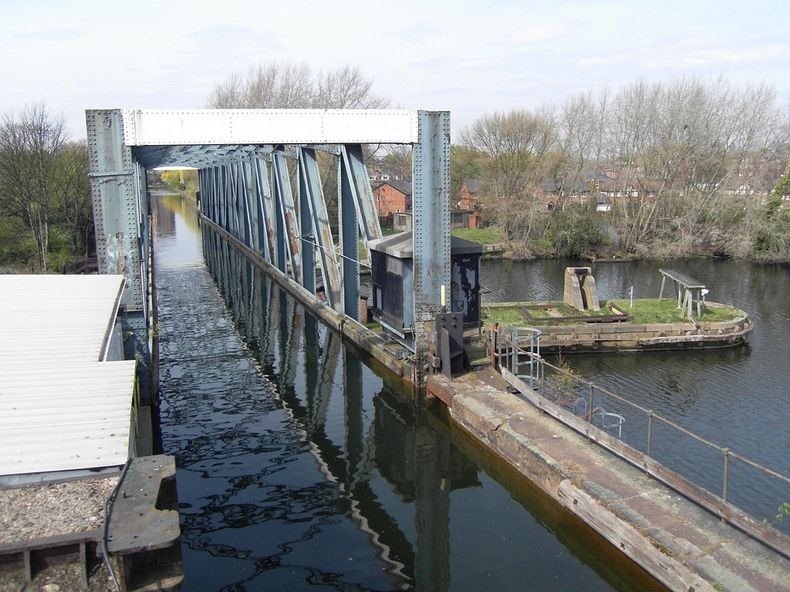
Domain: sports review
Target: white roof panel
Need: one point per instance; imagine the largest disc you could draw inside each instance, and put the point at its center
(61, 408)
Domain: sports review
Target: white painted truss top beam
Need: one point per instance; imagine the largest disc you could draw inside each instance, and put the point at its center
(152, 127)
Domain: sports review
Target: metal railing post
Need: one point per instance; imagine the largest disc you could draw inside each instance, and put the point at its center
(726, 452)
(649, 432)
(590, 408)
(543, 380)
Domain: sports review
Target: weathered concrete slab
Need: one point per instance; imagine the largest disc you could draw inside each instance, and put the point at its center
(679, 543)
(137, 523)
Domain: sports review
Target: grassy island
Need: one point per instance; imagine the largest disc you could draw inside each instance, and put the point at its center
(643, 311)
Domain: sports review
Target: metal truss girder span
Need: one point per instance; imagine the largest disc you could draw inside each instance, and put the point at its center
(245, 187)
(148, 127)
(196, 156)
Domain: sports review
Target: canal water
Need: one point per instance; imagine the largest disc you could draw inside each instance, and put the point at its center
(301, 467)
(736, 398)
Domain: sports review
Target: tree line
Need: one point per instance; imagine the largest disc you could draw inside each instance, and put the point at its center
(46, 219)
(685, 167)
(689, 167)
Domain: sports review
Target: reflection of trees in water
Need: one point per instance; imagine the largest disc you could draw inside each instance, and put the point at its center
(166, 205)
(396, 443)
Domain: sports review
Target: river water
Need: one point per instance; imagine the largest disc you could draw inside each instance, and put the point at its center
(301, 467)
(737, 398)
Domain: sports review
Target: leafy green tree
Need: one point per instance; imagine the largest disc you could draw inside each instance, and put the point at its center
(574, 230)
(465, 163)
(782, 187)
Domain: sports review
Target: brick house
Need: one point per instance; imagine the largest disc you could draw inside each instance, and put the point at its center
(392, 197)
(466, 213)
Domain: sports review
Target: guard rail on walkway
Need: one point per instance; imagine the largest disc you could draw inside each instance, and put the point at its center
(582, 405)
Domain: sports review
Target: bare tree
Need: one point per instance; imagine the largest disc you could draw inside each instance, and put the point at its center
(581, 134)
(515, 142)
(74, 197)
(295, 86)
(29, 150)
(347, 88)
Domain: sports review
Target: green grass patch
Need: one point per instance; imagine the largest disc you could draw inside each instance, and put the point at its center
(653, 310)
(644, 311)
(508, 317)
(484, 236)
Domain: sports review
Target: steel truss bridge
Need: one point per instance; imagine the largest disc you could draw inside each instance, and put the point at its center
(246, 160)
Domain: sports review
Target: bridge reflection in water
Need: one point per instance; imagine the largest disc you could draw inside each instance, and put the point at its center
(300, 467)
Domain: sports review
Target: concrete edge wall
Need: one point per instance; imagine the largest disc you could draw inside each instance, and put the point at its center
(488, 422)
(568, 468)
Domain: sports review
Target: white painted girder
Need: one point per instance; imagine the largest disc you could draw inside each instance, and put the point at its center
(156, 127)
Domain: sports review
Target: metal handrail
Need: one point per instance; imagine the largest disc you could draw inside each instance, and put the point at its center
(727, 454)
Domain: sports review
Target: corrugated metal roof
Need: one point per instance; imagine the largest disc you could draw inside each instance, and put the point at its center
(61, 408)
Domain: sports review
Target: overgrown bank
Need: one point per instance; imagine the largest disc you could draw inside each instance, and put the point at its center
(46, 217)
(728, 227)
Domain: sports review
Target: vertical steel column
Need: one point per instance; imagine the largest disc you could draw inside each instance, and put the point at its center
(116, 209)
(318, 219)
(349, 238)
(120, 214)
(431, 208)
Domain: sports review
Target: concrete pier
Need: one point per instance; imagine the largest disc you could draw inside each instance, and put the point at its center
(673, 539)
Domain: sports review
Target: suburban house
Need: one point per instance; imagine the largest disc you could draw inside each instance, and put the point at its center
(391, 197)
(466, 213)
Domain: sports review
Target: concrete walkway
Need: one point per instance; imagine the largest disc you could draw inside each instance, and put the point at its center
(680, 544)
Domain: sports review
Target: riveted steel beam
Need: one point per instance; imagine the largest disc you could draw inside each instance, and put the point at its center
(150, 127)
(117, 214)
(353, 167)
(431, 212)
(266, 208)
(288, 242)
(349, 238)
(315, 222)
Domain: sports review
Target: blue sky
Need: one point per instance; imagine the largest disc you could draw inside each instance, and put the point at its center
(470, 57)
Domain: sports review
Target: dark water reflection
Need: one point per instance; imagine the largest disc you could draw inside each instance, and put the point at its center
(299, 467)
(737, 398)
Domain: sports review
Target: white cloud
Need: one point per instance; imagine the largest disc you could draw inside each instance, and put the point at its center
(699, 52)
(539, 33)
